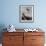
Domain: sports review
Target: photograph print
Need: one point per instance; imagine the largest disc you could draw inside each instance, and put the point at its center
(26, 13)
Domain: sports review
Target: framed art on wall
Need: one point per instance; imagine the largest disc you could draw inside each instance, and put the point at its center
(26, 13)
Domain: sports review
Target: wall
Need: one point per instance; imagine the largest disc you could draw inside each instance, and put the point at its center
(9, 13)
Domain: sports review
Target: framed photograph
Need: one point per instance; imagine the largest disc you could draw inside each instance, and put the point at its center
(26, 13)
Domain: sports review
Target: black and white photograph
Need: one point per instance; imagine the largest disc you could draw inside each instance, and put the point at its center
(26, 13)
